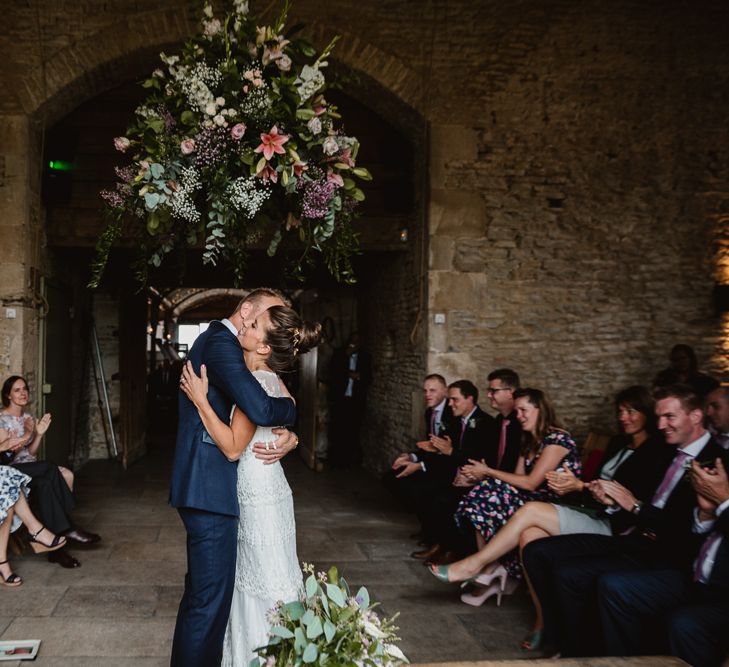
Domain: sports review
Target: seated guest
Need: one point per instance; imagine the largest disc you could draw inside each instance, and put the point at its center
(469, 438)
(634, 606)
(416, 475)
(14, 509)
(717, 411)
(507, 435)
(490, 504)
(51, 499)
(684, 369)
(563, 570)
(633, 458)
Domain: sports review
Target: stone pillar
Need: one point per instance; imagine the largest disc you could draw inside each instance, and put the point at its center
(457, 216)
(20, 241)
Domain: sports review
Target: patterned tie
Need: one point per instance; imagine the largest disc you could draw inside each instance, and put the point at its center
(665, 488)
(703, 553)
(502, 442)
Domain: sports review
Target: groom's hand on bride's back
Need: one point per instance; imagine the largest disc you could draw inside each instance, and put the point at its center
(275, 451)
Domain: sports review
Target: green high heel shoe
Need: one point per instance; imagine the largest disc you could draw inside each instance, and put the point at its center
(441, 573)
(532, 641)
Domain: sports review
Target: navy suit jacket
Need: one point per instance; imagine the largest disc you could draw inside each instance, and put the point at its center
(202, 478)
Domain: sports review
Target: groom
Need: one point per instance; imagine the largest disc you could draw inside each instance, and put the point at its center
(203, 487)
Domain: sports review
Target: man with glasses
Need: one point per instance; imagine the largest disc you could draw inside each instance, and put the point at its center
(507, 430)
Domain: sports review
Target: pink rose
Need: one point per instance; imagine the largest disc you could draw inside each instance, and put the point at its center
(187, 146)
(237, 131)
(121, 144)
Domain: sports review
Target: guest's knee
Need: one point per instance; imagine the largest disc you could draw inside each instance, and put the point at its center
(682, 623)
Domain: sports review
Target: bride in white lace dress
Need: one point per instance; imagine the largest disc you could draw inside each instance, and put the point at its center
(267, 567)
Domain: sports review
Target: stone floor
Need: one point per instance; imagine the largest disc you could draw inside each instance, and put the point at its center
(118, 609)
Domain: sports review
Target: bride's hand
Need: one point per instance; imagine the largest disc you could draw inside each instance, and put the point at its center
(195, 388)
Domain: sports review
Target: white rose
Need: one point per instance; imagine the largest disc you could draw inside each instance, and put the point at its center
(284, 63)
(330, 146)
(314, 125)
(210, 108)
(220, 101)
(219, 120)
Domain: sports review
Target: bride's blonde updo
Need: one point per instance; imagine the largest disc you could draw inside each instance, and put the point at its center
(288, 337)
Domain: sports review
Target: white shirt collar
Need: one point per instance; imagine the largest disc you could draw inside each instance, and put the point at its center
(468, 416)
(693, 449)
(229, 326)
(438, 409)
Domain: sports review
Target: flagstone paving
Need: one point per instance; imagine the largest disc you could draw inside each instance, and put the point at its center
(118, 609)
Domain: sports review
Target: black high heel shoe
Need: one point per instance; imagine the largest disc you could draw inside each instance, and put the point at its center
(12, 580)
(39, 547)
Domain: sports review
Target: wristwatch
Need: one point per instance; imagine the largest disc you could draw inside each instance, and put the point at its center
(636, 507)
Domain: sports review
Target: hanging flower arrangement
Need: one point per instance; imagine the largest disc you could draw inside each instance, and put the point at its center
(236, 143)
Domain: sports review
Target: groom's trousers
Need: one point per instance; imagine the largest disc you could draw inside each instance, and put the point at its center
(209, 582)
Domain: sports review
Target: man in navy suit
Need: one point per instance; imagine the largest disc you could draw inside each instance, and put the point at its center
(564, 570)
(204, 478)
(683, 611)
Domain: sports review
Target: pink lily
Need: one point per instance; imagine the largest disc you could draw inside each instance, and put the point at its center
(346, 157)
(272, 143)
(299, 167)
(268, 173)
(335, 178)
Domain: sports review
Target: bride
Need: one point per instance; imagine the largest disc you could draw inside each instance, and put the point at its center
(267, 568)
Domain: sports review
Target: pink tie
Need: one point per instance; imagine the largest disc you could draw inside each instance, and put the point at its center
(463, 430)
(502, 442)
(432, 423)
(703, 553)
(665, 487)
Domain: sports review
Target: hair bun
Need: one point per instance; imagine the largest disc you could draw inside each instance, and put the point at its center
(309, 336)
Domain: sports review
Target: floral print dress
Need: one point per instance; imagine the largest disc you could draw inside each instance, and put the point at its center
(491, 503)
(12, 484)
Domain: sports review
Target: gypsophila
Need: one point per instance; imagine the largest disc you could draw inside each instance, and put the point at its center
(183, 203)
(246, 197)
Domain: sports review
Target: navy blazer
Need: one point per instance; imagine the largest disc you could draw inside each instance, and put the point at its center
(202, 478)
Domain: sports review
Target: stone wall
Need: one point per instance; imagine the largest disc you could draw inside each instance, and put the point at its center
(578, 168)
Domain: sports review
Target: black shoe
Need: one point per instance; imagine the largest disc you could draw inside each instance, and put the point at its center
(64, 559)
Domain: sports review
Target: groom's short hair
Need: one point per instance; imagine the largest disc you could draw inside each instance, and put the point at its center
(261, 292)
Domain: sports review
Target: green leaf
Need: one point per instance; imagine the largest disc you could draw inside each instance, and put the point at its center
(299, 640)
(188, 117)
(348, 183)
(362, 173)
(341, 165)
(333, 575)
(357, 194)
(281, 631)
(308, 617)
(310, 653)
(294, 610)
(151, 199)
(311, 586)
(156, 169)
(156, 124)
(305, 114)
(334, 593)
(329, 630)
(363, 598)
(261, 164)
(315, 628)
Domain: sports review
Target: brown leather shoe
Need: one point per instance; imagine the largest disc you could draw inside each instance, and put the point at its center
(64, 559)
(81, 536)
(443, 558)
(427, 553)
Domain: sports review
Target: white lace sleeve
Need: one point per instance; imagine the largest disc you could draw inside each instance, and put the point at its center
(269, 381)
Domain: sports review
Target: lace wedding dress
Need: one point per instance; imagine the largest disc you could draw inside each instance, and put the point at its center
(267, 569)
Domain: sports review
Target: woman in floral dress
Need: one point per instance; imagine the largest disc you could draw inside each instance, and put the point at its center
(490, 504)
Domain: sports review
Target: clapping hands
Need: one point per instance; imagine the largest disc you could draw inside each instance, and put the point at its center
(564, 481)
